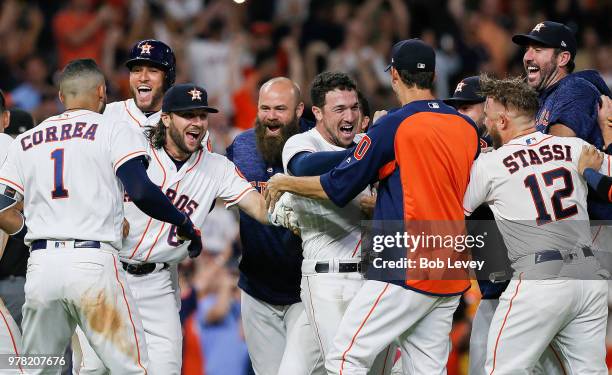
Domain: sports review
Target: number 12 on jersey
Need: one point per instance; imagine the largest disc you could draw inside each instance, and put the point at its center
(561, 213)
(58, 174)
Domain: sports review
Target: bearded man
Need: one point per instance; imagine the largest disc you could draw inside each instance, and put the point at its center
(270, 269)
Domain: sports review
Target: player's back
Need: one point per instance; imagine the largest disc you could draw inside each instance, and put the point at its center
(537, 194)
(66, 168)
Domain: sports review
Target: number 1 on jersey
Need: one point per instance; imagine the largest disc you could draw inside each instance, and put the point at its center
(58, 174)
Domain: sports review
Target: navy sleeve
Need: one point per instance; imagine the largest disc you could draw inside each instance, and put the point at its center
(576, 108)
(316, 163)
(600, 183)
(351, 176)
(145, 195)
(229, 152)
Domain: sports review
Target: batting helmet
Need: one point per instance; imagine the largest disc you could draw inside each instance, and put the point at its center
(156, 53)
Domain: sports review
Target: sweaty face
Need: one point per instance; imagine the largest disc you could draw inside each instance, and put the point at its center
(147, 87)
(473, 111)
(340, 117)
(541, 66)
(185, 131)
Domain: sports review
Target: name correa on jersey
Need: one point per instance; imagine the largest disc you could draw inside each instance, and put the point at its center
(62, 132)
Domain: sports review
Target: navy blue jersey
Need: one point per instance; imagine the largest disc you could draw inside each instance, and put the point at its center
(573, 102)
(270, 268)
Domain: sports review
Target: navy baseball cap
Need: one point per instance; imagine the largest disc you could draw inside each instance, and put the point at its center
(467, 92)
(186, 97)
(549, 34)
(412, 55)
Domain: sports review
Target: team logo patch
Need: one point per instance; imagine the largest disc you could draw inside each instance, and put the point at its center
(195, 94)
(538, 27)
(420, 66)
(460, 86)
(433, 105)
(145, 49)
(531, 140)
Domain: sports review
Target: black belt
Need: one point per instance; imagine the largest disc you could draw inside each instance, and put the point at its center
(142, 268)
(323, 267)
(548, 255)
(78, 244)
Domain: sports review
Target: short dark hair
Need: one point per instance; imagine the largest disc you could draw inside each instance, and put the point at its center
(571, 65)
(364, 105)
(329, 81)
(511, 92)
(79, 69)
(422, 80)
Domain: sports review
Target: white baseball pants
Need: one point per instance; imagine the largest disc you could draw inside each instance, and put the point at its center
(10, 338)
(67, 287)
(155, 296)
(381, 313)
(570, 315)
(279, 338)
(326, 297)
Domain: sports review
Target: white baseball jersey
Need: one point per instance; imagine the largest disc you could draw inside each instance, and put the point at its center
(327, 230)
(5, 142)
(192, 189)
(65, 168)
(127, 111)
(534, 189)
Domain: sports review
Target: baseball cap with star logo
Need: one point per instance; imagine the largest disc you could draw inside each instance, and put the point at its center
(549, 34)
(186, 97)
(467, 92)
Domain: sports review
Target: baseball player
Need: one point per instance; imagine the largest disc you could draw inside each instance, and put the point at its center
(331, 236)
(468, 101)
(192, 178)
(532, 184)
(152, 68)
(70, 172)
(415, 152)
(278, 335)
(568, 101)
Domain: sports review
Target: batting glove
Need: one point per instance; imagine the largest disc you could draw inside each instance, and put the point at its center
(188, 231)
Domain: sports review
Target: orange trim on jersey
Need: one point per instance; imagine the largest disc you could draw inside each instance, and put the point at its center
(160, 231)
(313, 316)
(609, 165)
(610, 194)
(356, 248)
(535, 144)
(596, 234)
(155, 242)
(558, 358)
(468, 211)
(12, 339)
(385, 363)
(130, 113)
(130, 154)
(129, 313)
(232, 201)
(361, 326)
(67, 118)
(196, 163)
(386, 170)
(150, 219)
(504, 322)
(13, 183)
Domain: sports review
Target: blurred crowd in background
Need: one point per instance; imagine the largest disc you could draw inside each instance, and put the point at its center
(231, 47)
